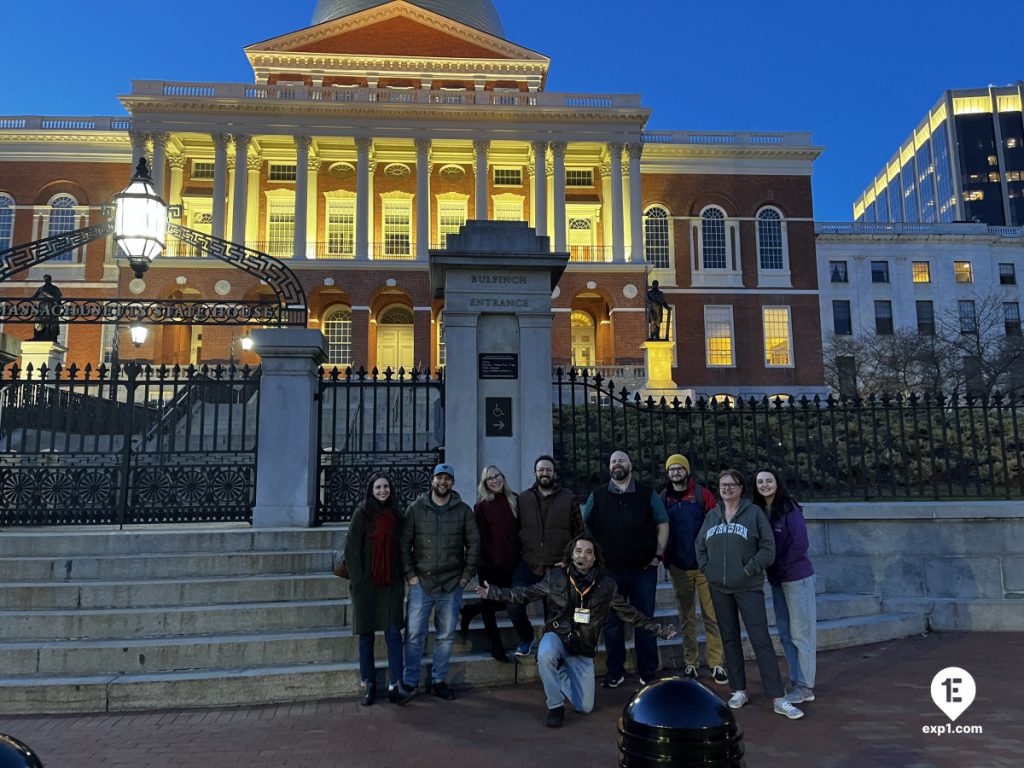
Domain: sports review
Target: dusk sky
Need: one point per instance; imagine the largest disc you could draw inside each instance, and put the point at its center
(859, 76)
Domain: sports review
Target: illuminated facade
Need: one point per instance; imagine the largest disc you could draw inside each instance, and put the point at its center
(963, 162)
(368, 137)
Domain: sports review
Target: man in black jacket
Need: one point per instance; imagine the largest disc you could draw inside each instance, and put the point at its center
(579, 597)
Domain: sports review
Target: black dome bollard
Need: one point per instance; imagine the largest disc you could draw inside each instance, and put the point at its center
(15, 754)
(678, 722)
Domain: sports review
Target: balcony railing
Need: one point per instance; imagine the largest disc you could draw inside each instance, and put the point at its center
(40, 123)
(591, 254)
(729, 138)
(913, 228)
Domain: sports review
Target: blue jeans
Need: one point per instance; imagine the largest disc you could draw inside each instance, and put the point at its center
(796, 616)
(639, 588)
(367, 667)
(573, 680)
(522, 576)
(446, 615)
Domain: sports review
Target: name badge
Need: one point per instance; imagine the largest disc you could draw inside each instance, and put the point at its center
(581, 616)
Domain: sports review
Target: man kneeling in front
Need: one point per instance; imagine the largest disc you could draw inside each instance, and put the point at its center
(579, 597)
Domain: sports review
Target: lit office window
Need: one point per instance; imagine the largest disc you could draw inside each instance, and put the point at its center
(397, 229)
(337, 329)
(281, 228)
(712, 228)
(718, 334)
(656, 237)
(508, 210)
(963, 271)
(451, 216)
(769, 239)
(341, 229)
(778, 337)
(922, 271)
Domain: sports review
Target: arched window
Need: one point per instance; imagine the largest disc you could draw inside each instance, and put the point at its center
(63, 218)
(769, 239)
(337, 328)
(584, 339)
(712, 231)
(657, 241)
(6, 220)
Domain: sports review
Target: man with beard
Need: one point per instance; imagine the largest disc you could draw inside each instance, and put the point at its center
(549, 516)
(440, 544)
(579, 596)
(628, 520)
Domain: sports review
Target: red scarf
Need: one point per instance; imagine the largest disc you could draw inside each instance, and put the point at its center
(385, 523)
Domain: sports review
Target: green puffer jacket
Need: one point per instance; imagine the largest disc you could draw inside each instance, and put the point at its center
(440, 545)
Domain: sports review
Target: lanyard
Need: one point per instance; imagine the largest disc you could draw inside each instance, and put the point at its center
(580, 594)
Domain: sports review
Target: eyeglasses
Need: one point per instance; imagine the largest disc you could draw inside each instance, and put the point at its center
(492, 478)
(724, 486)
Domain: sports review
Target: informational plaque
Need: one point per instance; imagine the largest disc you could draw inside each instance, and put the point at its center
(498, 365)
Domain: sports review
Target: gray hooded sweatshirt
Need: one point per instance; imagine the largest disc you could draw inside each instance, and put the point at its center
(733, 555)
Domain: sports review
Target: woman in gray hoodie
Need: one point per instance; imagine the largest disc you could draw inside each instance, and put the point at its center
(734, 547)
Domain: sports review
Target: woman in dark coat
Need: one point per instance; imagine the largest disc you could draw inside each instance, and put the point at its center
(376, 586)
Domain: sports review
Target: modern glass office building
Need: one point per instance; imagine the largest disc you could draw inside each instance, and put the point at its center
(963, 162)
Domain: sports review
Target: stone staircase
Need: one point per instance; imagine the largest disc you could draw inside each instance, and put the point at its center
(153, 618)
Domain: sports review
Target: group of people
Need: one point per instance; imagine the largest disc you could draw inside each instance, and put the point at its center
(594, 568)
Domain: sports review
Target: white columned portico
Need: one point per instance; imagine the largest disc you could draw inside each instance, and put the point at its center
(422, 199)
(253, 166)
(159, 158)
(363, 145)
(302, 144)
(220, 183)
(618, 229)
(558, 171)
(540, 187)
(241, 199)
(289, 448)
(480, 147)
(311, 208)
(497, 278)
(636, 203)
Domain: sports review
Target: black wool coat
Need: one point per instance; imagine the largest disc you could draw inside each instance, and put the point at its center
(374, 608)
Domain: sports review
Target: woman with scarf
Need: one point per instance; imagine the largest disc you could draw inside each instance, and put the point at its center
(377, 587)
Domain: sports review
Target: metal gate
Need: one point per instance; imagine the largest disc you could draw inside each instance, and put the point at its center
(372, 421)
(128, 444)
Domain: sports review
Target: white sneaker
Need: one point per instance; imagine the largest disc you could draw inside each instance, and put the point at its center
(738, 699)
(784, 708)
(799, 695)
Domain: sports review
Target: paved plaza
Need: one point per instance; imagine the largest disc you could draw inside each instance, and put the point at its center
(873, 703)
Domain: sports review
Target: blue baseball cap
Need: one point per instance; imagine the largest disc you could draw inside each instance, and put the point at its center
(444, 469)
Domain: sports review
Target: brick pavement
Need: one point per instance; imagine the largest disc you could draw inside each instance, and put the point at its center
(873, 702)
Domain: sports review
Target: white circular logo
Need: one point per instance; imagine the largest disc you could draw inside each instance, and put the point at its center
(953, 691)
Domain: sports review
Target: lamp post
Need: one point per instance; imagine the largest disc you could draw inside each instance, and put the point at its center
(140, 220)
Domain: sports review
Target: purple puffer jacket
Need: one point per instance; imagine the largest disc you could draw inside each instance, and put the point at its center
(791, 561)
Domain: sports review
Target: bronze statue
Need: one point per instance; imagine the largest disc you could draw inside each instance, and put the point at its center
(47, 328)
(657, 310)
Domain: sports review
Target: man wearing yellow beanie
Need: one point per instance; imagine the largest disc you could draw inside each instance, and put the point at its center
(686, 503)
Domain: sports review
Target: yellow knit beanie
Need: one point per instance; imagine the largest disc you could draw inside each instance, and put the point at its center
(677, 458)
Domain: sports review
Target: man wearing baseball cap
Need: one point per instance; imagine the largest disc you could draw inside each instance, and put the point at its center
(686, 503)
(440, 543)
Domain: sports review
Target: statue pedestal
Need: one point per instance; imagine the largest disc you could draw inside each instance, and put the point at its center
(658, 359)
(40, 353)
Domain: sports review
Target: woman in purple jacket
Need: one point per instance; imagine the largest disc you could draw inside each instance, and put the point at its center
(792, 579)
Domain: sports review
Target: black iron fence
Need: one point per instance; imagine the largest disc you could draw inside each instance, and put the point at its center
(916, 447)
(127, 444)
(372, 421)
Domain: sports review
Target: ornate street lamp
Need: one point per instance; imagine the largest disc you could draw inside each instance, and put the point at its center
(246, 343)
(140, 220)
(139, 333)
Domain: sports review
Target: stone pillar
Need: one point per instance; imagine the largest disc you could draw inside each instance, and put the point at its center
(422, 199)
(558, 171)
(240, 196)
(302, 144)
(177, 163)
(220, 183)
(636, 203)
(312, 236)
(540, 187)
(363, 146)
(253, 166)
(482, 208)
(497, 278)
(605, 169)
(138, 139)
(159, 159)
(288, 451)
(229, 222)
(618, 231)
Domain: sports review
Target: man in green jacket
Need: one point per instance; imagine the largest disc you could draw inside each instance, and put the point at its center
(440, 544)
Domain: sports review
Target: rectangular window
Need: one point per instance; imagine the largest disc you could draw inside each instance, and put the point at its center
(1011, 318)
(778, 337)
(6, 221)
(202, 170)
(341, 229)
(879, 271)
(107, 337)
(508, 177)
(837, 272)
(883, 318)
(579, 177)
(508, 210)
(442, 349)
(718, 335)
(842, 321)
(397, 229)
(281, 172)
(451, 217)
(963, 271)
(922, 271)
(1007, 274)
(968, 316)
(281, 228)
(925, 318)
